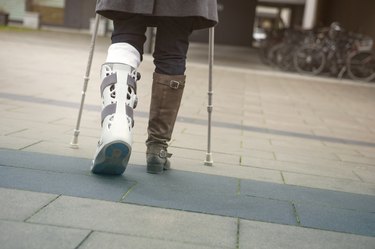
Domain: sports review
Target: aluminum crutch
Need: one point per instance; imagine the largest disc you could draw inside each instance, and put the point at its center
(211, 39)
(74, 143)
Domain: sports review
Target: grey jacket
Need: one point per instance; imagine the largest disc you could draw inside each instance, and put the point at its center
(204, 12)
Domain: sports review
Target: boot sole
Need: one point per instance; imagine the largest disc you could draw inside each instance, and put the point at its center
(155, 168)
(115, 159)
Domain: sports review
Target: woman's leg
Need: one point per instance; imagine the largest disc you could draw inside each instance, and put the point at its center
(131, 31)
(171, 46)
(118, 91)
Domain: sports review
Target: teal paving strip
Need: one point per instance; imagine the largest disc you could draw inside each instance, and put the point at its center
(97, 108)
(194, 192)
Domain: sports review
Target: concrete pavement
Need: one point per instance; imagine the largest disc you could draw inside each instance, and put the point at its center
(294, 162)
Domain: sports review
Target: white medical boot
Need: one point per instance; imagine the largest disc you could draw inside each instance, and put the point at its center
(118, 90)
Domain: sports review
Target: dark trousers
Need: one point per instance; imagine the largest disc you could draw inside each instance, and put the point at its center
(171, 41)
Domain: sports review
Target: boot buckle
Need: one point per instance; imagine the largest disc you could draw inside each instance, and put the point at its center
(174, 84)
(164, 154)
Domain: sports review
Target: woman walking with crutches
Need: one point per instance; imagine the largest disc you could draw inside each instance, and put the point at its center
(175, 20)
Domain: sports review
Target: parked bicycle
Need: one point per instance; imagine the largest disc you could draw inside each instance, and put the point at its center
(281, 54)
(329, 50)
(337, 52)
(361, 63)
(326, 53)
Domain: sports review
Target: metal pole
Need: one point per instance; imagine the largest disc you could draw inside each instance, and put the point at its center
(74, 143)
(208, 161)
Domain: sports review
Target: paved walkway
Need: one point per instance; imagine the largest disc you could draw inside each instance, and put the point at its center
(294, 157)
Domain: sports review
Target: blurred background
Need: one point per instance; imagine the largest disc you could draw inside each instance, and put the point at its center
(327, 37)
(238, 19)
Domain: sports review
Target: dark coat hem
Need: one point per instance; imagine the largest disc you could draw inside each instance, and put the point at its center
(199, 22)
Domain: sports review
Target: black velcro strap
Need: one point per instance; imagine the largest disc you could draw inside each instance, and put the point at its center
(132, 82)
(111, 109)
(108, 110)
(129, 111)
(107, 81)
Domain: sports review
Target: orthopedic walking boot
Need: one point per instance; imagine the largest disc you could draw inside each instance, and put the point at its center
(165, 102)
(118, 91)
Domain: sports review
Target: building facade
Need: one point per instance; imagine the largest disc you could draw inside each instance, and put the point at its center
(237, 18)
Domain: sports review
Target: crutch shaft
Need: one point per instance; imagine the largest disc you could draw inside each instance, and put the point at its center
(74, 143)
(209, 161)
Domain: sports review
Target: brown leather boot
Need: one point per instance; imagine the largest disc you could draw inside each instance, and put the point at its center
(165, 102)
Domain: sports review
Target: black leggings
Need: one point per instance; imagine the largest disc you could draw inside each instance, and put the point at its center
(171, 43)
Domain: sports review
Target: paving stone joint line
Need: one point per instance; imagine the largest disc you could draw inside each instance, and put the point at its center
(41, 208)
(128, 192)
(298, 219)
(238, 233)
(84, 239)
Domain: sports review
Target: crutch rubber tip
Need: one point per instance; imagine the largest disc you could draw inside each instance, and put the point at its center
(208, 161)
(74, 146)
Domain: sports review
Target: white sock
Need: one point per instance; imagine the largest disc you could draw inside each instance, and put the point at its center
(123, 53)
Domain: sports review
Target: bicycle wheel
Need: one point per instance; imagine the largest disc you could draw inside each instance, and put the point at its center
(309, 60)
(262, 53)
(361, 66)
(272, 54)
(284, 58)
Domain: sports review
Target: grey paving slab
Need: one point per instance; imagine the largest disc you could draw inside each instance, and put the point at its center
(184, 182)
(175, 189)
(178, 226)
(207, 194)
(336, 184)
(43, 161)
(266, 236)
(201, 193)
(17, 235)
(334, 219)
(20, 205)
(307, 195)
(89, 186)
(261, 209)
(99, 240)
